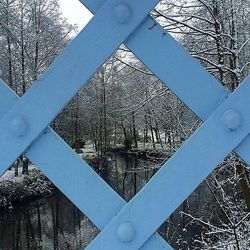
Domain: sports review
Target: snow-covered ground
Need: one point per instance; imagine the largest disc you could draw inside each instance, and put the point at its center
(10, 174)
(88, 152)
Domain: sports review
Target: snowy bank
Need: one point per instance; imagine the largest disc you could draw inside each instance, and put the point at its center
(23, 188)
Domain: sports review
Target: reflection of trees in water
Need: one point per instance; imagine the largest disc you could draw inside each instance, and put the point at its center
(17, 233)
(55, 218)
(128, 173)
(30, 235)
(52, 223)
(55, 223)
(39, 225)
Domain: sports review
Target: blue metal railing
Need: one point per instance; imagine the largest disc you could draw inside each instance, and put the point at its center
(226, 124)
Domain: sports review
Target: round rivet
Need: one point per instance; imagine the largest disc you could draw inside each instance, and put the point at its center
(19, 126)
(122, 13)
(232, 119)
(125, 232)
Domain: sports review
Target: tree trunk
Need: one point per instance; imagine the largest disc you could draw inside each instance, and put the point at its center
(244, 184)
(22, 49)
(76, 125)
(124, 131)
(25, 162)
(16, 164)
(152, 132)
(145, 134)
(115, 139)
(134, 129)
(218, 39)
(10, 77)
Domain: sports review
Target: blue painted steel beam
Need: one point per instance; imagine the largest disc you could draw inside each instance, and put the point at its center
(20, 126)
(165, 57)
(183, 74)
(70, 174)
(54, 89)
(177, 178)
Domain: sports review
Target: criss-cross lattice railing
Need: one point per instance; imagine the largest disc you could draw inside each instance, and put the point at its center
(24, 120)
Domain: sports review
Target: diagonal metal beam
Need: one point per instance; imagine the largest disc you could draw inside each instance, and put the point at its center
(71, 174)
(70, 71)
(177, 178)
(164, 56)
(44, 146)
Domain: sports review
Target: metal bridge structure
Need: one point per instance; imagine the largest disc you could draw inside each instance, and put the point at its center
(24, 124)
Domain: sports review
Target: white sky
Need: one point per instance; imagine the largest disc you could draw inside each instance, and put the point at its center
(75, 12)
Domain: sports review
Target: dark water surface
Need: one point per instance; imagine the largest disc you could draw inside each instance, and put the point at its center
(50, 223)
(55, 223)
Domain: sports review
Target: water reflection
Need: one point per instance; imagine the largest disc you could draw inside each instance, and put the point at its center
(127, 173)
(50, 223)
(55, 223)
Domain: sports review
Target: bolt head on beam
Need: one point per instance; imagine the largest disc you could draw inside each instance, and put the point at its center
(19, 126)
(125, 232)
(232, 119)
(122, 13)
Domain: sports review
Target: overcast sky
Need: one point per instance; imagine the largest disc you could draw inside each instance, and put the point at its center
(75, 12)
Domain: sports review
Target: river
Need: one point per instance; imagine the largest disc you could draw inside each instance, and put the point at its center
(55, 223)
